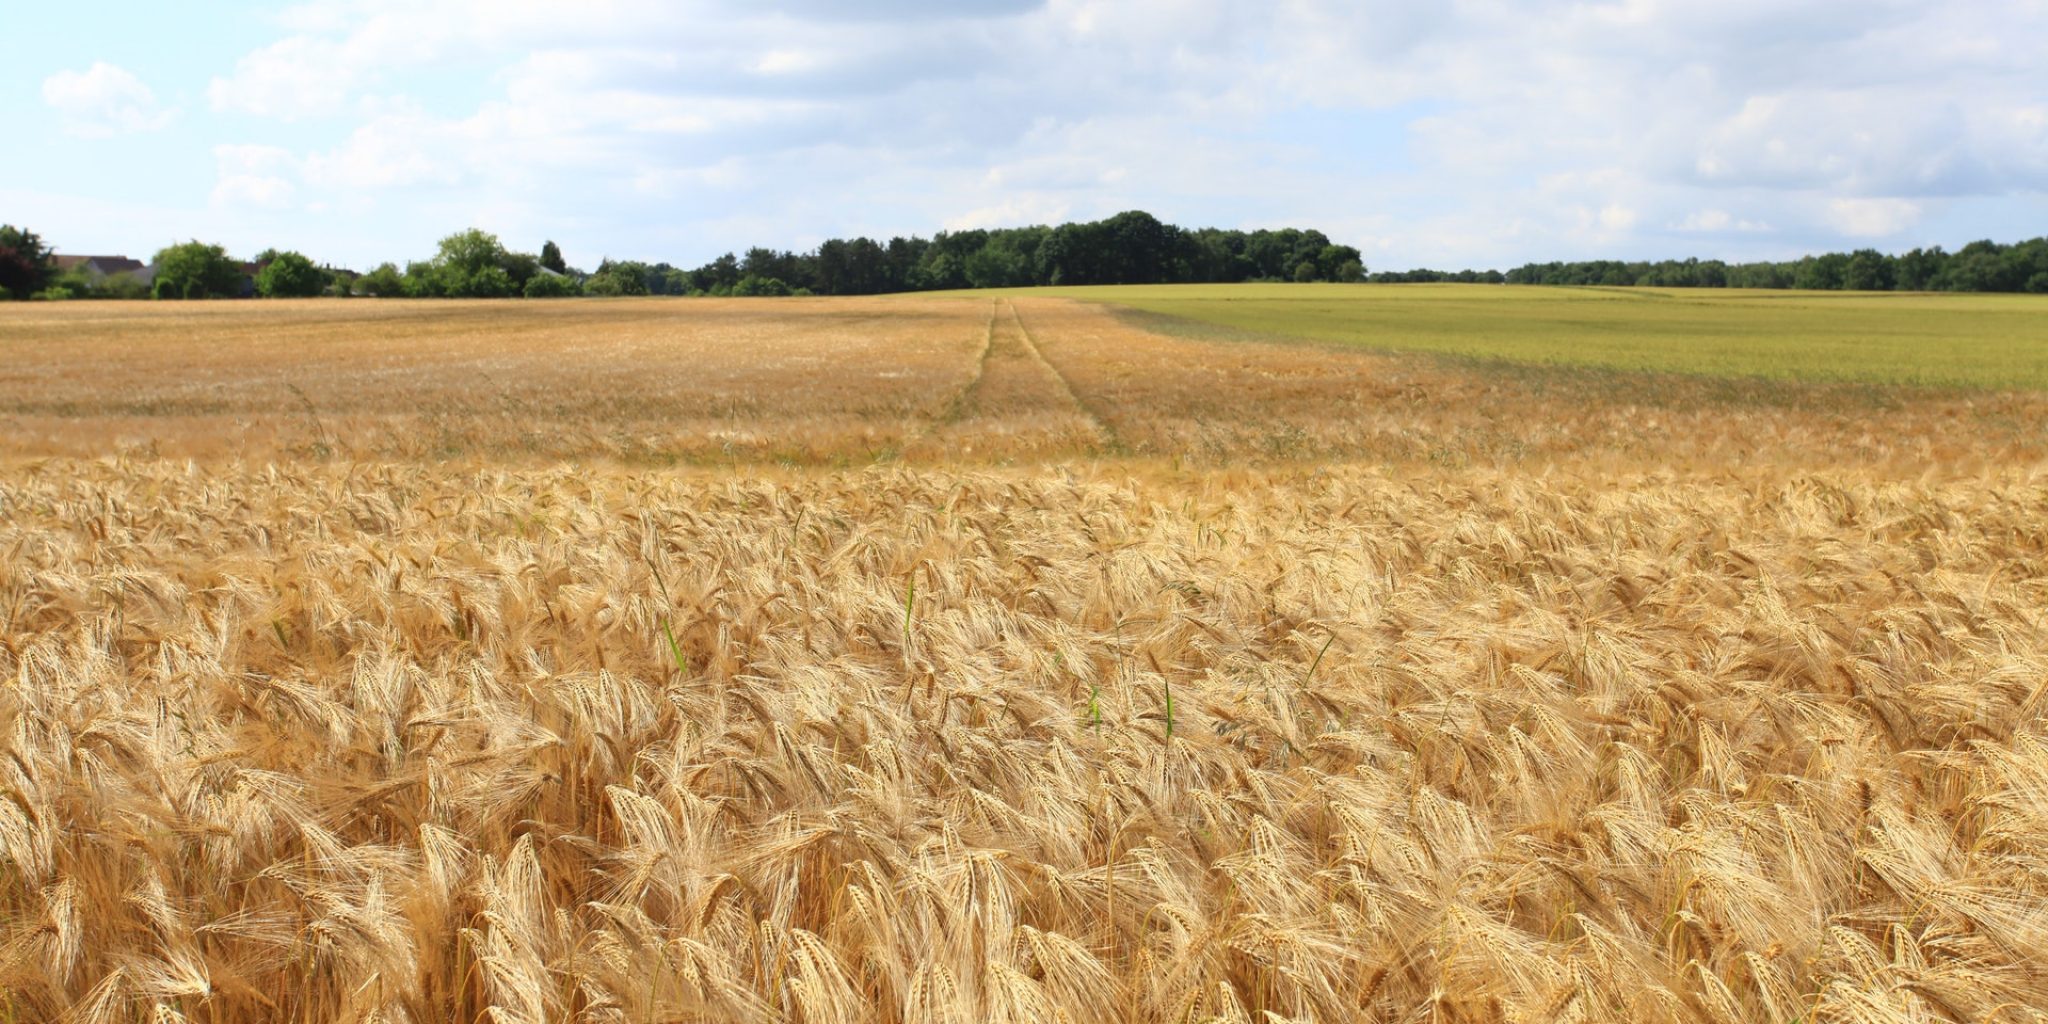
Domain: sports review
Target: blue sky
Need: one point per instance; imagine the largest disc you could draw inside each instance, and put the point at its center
(1455, 134)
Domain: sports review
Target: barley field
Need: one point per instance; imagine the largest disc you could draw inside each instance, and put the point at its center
(1883, 338)
(989, 659)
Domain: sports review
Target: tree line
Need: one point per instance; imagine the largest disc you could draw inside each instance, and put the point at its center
(1984, 266)
(1130, 248)
(192, 270)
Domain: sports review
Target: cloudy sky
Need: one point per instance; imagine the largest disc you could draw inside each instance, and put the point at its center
(1466, 133)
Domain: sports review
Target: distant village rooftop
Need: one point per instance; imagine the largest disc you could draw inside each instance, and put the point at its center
(101, 266)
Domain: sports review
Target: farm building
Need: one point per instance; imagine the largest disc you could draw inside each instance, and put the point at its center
(100, 268)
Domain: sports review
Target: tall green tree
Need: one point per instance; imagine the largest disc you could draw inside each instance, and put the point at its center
(624, 277)
(1979, 267)
(1917, 270)
(290, 275)
(385, 282)
(1331, 260)
(26, 264)
(782, 266)
(1135, 248)
(521, 267)
(422, 280)
(471, 265)
(619, 277)
(1868, 271)
(551, 257)
(196, 270)
(1821, 273)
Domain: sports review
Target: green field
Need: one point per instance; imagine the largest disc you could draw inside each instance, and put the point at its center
(1974, 341)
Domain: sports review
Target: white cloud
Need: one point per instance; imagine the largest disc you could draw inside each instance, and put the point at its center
(787, 62)
(254, 175)
(339, 50)
(1713, 221)
(397, 148)
(293, 77)
(1707, 220)
(1022, 210)
(104, 101)
(1480, 131)
(1872, 218)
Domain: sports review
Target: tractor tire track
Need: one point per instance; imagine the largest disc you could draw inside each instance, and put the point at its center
(964, 398)
(1016, 402)
(1104, 431)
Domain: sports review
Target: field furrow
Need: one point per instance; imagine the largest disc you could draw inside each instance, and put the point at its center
(1017, 405)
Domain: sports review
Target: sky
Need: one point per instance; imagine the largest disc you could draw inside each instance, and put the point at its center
(1461, 133)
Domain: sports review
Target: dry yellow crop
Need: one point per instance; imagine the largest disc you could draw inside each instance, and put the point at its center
(948, 660)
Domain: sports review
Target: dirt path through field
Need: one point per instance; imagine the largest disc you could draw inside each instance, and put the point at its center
(1017, 401)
